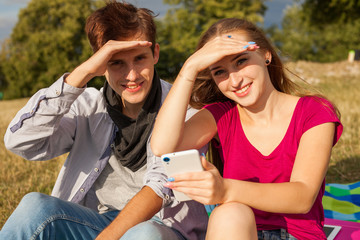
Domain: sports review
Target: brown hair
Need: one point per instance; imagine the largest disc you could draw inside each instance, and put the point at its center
(205, 90)
(119, 20)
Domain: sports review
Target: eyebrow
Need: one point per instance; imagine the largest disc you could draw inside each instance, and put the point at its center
(233, 59)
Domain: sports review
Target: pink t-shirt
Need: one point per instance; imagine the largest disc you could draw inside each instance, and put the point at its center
(243, 161)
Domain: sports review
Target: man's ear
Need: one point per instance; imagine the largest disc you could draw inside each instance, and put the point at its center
(156, 53)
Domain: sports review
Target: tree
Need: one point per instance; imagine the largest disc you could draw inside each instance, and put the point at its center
(332, 11)
(48, 40)
(302, 39)
(182, 26)
(3, 82)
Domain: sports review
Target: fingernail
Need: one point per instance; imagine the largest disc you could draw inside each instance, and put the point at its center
(167, 185)
(203, 154)
(251, 42)
(229, 36)
(171, 179)
(245, 47)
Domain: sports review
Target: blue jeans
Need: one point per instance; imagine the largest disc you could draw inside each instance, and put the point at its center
(278, 234)
(40, 216)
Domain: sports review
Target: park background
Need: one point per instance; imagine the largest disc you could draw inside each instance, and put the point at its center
(314, 38)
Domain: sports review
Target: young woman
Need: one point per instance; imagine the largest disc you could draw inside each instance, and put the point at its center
(275, 141)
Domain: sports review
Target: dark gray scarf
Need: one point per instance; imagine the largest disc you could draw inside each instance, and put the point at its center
(132, 135)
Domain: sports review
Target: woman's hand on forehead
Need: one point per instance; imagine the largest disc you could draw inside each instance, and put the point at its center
(216, 49)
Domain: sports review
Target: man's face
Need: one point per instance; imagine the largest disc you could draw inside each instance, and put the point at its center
(130, 73)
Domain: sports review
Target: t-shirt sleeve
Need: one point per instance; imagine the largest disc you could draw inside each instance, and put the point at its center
(218, 109)
(318, 111)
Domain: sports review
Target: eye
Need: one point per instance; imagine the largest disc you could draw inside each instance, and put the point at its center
(139, 58)
(240, 61)
(219, 73)
(115, 63)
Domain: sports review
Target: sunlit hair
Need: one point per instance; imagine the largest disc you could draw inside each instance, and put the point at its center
(120, 21)
(205, 90)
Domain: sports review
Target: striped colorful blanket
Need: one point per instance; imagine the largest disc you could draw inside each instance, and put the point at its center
(342, 201)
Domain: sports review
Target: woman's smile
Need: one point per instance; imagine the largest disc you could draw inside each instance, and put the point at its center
(243, 91)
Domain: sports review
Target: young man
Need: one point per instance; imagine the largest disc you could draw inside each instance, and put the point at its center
(104, 183)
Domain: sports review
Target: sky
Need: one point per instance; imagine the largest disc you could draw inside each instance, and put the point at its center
(9, 12)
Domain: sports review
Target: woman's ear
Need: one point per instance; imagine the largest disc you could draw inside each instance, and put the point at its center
(268, 57)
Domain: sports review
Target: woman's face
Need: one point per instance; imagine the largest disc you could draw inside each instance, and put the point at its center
(243, 77)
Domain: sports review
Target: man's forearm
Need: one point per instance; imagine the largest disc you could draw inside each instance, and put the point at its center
(143, 206)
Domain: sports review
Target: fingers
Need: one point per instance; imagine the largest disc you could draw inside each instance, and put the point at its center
(229, 42)
(203, 195)
(206, 164)
(198, 193)
(216, 49)
(203, 180)
(113, 46)
(190, 176)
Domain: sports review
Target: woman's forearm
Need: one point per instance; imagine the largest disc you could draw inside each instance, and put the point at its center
(169, 124)
(289, 197)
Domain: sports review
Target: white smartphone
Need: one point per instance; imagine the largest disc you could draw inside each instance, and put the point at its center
(182, 162)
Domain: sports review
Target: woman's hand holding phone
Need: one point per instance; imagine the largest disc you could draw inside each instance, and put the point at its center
(206, 187)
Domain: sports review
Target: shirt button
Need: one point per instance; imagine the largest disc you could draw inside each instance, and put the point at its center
(96, 169)
(57, 92)
(112, 145)
(82, 190)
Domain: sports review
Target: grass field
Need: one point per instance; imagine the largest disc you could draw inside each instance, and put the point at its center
(340, 82)
(18, 176)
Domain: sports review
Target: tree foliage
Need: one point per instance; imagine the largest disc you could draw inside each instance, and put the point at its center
(3, 82)
(332, 11)
(183, 24)
(49, 38)
(47, 41)
(303, 39)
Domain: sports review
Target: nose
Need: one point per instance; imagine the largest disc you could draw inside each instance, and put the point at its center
(132, 75)
(235, 79)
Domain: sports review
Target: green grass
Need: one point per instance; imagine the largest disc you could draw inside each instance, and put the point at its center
(340, 82)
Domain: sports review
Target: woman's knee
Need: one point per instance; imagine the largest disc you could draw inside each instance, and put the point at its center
(234, 211)
(232, 218)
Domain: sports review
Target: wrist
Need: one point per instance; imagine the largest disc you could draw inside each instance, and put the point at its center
(78, 78)
(189, 71)
(227, 195)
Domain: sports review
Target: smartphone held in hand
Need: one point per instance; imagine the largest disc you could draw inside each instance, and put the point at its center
(182, 162)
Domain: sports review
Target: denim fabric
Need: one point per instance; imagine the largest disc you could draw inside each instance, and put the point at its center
(40, 216)
(76, 120)
(278, 234)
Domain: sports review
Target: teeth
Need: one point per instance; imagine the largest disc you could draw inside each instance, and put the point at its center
(132, 86)
(243, 89)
